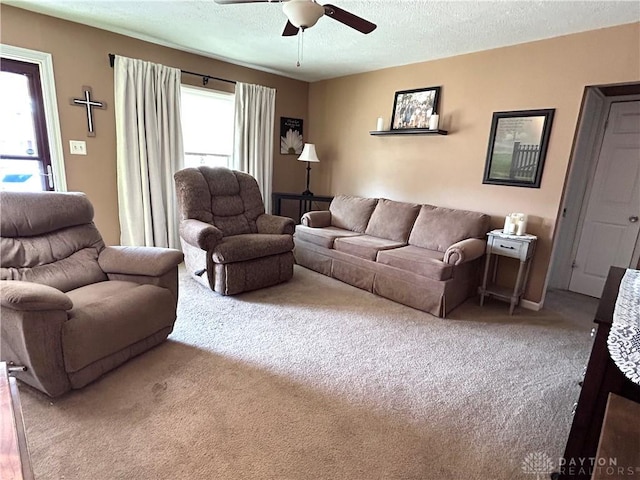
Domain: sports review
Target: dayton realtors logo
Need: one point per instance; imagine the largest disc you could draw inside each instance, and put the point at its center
(538, 464)
(541, 465)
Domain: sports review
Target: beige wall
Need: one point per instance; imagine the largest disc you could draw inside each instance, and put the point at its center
(443, 170)
(80, 58)
(448, 170)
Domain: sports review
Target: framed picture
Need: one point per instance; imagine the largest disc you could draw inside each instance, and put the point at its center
(412, 108)
(517, 147)
(291, 141)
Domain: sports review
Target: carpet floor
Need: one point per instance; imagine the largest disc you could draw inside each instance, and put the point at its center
(315, 379)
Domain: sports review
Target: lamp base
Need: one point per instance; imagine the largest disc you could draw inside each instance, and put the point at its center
(307, 191)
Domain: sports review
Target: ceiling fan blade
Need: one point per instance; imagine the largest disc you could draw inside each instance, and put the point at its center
(349, 19)
(290, 30)
(231, 2)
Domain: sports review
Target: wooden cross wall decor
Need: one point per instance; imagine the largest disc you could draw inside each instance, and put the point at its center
(89, 104)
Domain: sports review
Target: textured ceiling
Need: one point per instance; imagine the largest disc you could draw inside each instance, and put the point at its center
(409, 31)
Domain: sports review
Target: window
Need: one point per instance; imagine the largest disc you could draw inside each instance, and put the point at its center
(47, 94)
(25, 163)
(207, 127)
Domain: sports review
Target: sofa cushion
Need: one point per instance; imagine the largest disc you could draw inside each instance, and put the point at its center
(109, 316)
(322, 236)
(240, 248)
(64, 259)
(228, 199)
(49, 238)
(364, 246)
(194, 196)
(392, 220)
(27, 214)
(421, 261)
(226, 203)
(436, 228)
(351, 213)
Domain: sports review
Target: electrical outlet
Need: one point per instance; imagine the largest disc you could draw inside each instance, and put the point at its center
(77, 147)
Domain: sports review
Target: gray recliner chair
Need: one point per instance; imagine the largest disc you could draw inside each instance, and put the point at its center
(229, 243)
(73, 308)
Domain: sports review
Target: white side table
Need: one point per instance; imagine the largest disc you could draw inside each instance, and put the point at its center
(520, 247)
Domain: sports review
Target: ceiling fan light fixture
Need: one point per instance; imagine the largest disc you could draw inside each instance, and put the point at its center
(303, 13)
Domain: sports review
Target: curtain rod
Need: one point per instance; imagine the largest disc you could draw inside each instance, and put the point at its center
(205, 78)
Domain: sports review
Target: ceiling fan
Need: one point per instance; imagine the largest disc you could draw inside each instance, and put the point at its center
(303, 14)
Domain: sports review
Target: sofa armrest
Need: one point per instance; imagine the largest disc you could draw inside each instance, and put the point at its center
(316, 219)
(275, 224)
(200, 234)
(464, 251)
(30, 296)
(146, 261)
(33, 316)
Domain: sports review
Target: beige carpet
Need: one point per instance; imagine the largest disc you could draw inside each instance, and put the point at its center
(314, 379)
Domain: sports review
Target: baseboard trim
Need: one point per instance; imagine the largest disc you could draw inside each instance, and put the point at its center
(529, 305)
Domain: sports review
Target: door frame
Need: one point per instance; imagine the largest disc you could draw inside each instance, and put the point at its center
(573, 208)
(47, 80)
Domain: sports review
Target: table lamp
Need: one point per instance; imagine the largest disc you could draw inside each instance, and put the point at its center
(308, 155)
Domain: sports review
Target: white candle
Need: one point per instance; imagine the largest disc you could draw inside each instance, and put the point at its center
(522, 224)
(433, 121)
(513, 223)
(507, 224)
(380, 124)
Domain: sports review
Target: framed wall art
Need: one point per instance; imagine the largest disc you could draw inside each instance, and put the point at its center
(291, 141)
(517, 147)
(412, 108)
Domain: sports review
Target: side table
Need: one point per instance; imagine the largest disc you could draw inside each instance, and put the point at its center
(520, 247)
(305, 202)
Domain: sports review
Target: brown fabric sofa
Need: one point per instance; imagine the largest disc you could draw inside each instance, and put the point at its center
(423, 256)
(226, 234)
(73, 308)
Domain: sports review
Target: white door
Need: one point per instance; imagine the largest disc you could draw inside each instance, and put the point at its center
(611, 226)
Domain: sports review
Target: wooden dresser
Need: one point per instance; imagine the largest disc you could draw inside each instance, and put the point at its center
(602, 377)
(14, 454)
(619, 441)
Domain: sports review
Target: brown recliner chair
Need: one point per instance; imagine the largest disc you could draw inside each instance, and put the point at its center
(73, 308)
(229, 243)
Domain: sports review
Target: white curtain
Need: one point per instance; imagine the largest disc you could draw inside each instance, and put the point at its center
(149, 151)
(253, 145)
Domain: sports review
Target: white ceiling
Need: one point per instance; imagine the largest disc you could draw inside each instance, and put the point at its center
(409, 31)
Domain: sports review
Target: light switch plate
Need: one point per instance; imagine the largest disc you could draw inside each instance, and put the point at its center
(77, 147)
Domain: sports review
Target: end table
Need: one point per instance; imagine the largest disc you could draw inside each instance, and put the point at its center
(305, 202)
(520, 247)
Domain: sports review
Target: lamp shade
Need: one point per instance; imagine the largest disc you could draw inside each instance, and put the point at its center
(309, 153)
